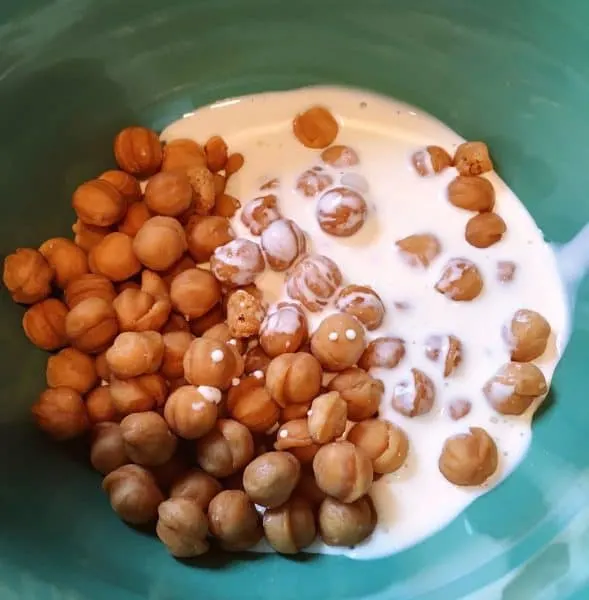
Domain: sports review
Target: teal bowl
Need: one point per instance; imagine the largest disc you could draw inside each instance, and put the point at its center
(72, 72)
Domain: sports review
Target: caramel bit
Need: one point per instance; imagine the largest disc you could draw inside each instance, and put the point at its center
(245, 314)
(414, 396)
(472, 193)
(472, 158)
(315, 128)
(445, 349)
(431, 160)
(234, 163)
(341, 211)
(506, 271)
(282, 242)
(138, 151)
(461, 280)
(484, 230)
(526, 335)
(181, 154)
(339, 156)
(383, 352)
(419, 250)
(313, 181)
(258, 213)
(28, 276)
(313, 281)
(458, 409)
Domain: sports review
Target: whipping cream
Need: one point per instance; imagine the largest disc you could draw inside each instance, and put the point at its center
(416, 501)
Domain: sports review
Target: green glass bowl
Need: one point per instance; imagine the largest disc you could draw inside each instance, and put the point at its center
(72, 72)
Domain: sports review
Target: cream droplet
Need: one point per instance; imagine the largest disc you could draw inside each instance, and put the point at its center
(233, 342)
(309, 412)
(258, 374)
(333, 336)
(283, 433)
(209, 393)
(235, 381)
(217, 356)
(350, 334)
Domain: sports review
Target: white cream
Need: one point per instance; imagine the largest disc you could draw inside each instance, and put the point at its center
(385, 133)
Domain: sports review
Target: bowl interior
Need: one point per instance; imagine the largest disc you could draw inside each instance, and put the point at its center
(75, 71)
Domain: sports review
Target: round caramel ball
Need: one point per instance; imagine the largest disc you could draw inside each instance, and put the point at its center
(315, 128)
(415, 395)
(294, 378)
(191, 412)
(245, 314)
(148, 440)
(282, 242)
(237, 263)
(159, 243)
(313, 181)
(472, 158)
(361, 392)
(138, 151)
(198, 485)
(107, 452)
(472, 193)
(91, 325)
(100, 405)
(87, 236)
(385, 444)
(526, 335)
(203, 189)
(363, 303)
(138, 310)
(226, 449)
(419, 250)
(313, 280)
(341, 211)
(136, 216)
(168, 193)
(270, 479)
(212, 363)
(45, 325)
(133, 493)
(114, 257)
(135, 353)
(183, 527)
(514, 387)
(294, 436)
(27, 276)
(446, 350)
(382, 353)
(176, 344)
(233, 520)
(60, 412)
(71, 368)
(250, 403)
(89, 286)
(291, 527)
(338, 342)
(127, 185)
(469, 458)
(346, 524)
(340, 156)
(138, 394)
(327, 417)
(484, 230)
(258, 213)
(460, 281)
(343, 471)
(283, 330)
(431, 160)
(194, 292)
(181, 154)
(67, 260)
(98, 202)
(216, 151)
(205, 234)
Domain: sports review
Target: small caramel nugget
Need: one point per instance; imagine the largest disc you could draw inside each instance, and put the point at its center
(99, 203)
(313, 281)
(234, 521)
(226, 449)
(361, 392)
(138, 310)
(138, 151)
(181, 154)
(431, 160)
(89, 286)
(148, 440)
(363, 303)
(313, 181)
(458, 408)
(114, 257)
(127, 185)
(472, 193)
(338, 342)
(245, 314)
(176, 344)
(71, 368)
(107, 452)
(237, 263)
(135, 218)
(341, 211)
(460, 281)
(339, 156)
(135, 353)
(446, 350)
(250, 288)
(419, 250)
(205, 234)
(203, 189)
(472, 158)
(211, 363)
(282, 242)
(133, 493)
(160, 243)
(168, 193)
(67, 260)
(234, 163)
(514, 387)
(100, 405)
(259, 213)
(469, 458)
(327, 417)
(284, 329)
(183, 527)
(87, 236)
(27, 276)
(343, 471)
(60, 412)
(250, 404)
(505, 271)
(526, 335)
(290, 528)
(414, 396)
(382, 353)
(191, 412)
(198, 486)
(216, 151)
(270, 479)
(194, 293)
(294, 378)
(294, 436)
(315, 128)
(91, 325)
(484, 230)
(44, 324)
(139, 394)
(385, 444)
(346, 524)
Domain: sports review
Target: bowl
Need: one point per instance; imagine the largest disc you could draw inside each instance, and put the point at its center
(74, 72)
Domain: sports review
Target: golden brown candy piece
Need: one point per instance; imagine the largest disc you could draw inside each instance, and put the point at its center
(315, 128)
(27, 276)
(183, 527)
(138, 151)
(460, 281)
(526, 335)
(431, 160)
